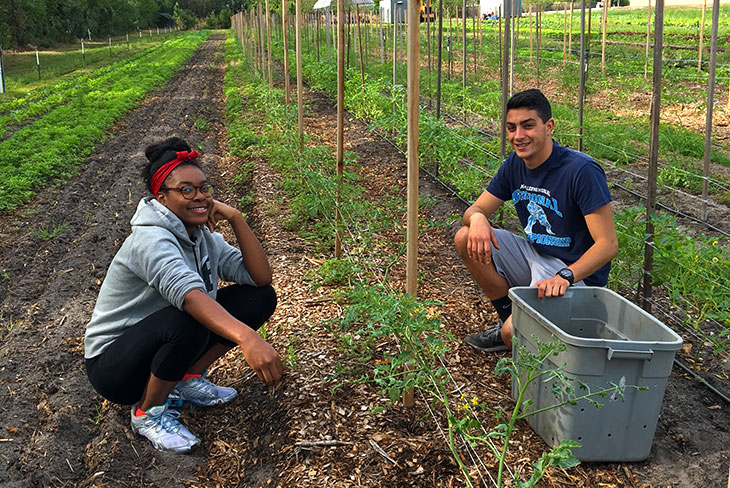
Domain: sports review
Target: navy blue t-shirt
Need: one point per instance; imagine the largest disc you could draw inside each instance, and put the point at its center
(552, 200)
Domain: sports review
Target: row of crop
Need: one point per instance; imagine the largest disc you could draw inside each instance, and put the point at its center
(52, 146)
(695, 272)
(17, 111)
(24, 72)
(259, 123)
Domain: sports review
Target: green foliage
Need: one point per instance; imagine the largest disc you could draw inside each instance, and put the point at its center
(51, 147)
(49, 232)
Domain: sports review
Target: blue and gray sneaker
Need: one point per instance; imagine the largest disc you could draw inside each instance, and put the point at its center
(200, 392)
(160, 425)
(488, 341)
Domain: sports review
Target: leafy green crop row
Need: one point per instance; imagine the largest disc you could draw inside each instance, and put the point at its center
(17, 111)
(52, 146)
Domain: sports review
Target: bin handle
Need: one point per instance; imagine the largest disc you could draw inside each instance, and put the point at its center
(624, 354)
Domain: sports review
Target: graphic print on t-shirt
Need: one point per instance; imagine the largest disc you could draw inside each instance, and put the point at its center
(539, 199)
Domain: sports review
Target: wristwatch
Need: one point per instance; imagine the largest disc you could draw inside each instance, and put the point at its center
(567, 275)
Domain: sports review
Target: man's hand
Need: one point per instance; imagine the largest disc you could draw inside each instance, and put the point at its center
(481, 237)
(263, 359)
(554, 286)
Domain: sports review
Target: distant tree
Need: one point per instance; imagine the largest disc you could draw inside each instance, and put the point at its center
(224, 18)
(183, 18)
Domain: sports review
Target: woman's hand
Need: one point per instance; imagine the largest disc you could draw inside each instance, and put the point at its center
(262, 358)
(220, 211)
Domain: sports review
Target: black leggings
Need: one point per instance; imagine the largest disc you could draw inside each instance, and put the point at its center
(168, 342)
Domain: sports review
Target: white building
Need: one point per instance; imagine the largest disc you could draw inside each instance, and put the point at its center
(492, 7)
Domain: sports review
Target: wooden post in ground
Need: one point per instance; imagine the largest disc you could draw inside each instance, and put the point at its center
(505, 61)
(268, 46)
(653, 155)
(429, 12)
(285, 34)
(439, 63)
(582, 86)
(565, 31)
(359, 46)
(710, 105)
(463, 50)
(382, 38)
(702, 38)
(570, 31)
(648, 31)
(529, 20)
(300, 91)
(603, 37)
(412, 218)
(394, 12)
(538, 32)
(2, 70)
(340, 122)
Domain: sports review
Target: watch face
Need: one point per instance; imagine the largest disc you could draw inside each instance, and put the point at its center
(566, 274)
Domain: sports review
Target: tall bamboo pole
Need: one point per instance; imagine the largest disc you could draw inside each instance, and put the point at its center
(507, 13)
(413, 98)
(340, 121)
(565, 31)
(529, 19)
(463, 50)
(428, 44)
(394, 11)
(710, 106)
(582, 87)
(285, 34)
(439, 62)
(268, 44)
(359, 46)
(603, 36)
(538, 31)
(702, 38)
(262, 38)
(570, 31)
(648, 31)
(300, 91)
(382, 38)
(474, 40)
(412, 216)
(653, 155)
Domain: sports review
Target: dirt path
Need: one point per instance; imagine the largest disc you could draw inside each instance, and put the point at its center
(48, 408)
(57, 432)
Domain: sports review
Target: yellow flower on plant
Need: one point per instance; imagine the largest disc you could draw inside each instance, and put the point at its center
(714, 243)
(474, 400)
(714, 260)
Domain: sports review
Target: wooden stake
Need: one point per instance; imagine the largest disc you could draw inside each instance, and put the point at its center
(505, 61)
(603, 35)
(340, 122)
(463, 51)
(412, 218)
(570, 31)
(300, 101)
(285, 34)
(439, 63)
(702, 38)
(565, 31)
(648, 31)
(359, 46)
(710, 105)
(653, 155)
(529, 17)
(268, 45)
(582, 86)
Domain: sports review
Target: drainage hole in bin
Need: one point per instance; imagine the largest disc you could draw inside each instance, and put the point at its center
(582, 409)
(645, 426)
(580, 438)
(609, 434)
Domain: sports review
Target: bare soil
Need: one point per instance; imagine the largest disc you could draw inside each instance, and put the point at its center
(57, 432)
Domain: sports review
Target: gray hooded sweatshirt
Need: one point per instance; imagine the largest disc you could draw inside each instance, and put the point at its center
(157, 265)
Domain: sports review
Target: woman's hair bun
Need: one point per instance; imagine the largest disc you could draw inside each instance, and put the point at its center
(161, 152)
(155, 151)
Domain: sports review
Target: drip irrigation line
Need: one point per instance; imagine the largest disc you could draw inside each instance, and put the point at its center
(673, 211)
(703, 381)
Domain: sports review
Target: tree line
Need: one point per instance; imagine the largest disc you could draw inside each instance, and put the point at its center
(46, 23)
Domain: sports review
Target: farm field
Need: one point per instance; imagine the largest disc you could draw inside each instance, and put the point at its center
(56, 244)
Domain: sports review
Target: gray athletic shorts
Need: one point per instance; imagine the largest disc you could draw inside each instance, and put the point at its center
(520, 263)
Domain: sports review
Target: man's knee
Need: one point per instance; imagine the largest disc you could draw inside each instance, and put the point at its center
(460, 241)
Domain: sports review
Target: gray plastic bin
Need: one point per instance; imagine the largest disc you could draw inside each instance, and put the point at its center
(609, 340)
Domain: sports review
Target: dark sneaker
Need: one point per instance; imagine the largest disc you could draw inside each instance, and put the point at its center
(488, 341)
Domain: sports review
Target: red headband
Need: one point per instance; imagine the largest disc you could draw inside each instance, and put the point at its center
(164, 171)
